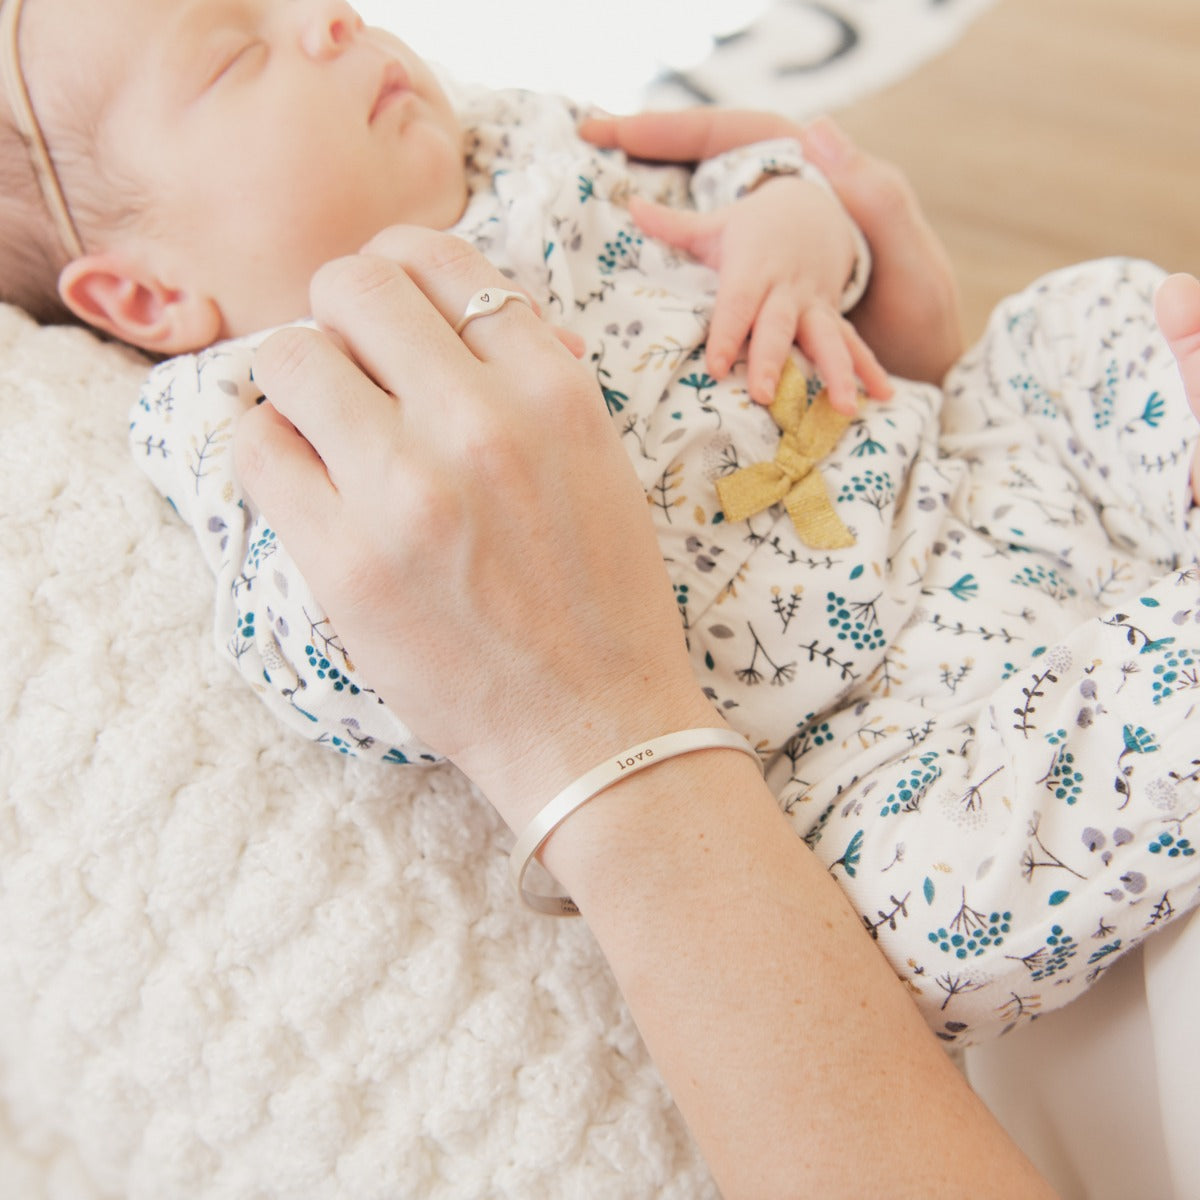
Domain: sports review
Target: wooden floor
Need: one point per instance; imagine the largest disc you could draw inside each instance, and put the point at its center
(1054, 131)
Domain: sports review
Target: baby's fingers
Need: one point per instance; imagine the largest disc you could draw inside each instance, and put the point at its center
(821, 334)
(735, 311)
(744, 302)
(771, 343)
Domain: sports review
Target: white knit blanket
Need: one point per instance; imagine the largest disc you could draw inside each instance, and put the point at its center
(235, 965)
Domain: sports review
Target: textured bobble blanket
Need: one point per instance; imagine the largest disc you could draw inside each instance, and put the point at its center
(235, 965)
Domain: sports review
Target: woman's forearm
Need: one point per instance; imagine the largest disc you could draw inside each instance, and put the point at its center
(777, 1025)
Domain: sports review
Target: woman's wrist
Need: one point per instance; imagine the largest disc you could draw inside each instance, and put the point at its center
(610, 772)
(520, 774)
(644, 837)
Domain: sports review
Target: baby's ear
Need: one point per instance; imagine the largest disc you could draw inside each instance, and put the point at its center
(112, 292)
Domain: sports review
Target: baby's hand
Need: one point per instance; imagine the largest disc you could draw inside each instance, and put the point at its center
(1177, 307)
(784, 253)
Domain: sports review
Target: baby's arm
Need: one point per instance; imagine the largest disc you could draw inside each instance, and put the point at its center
(1177, 307)
(789, 264)
(266, 622)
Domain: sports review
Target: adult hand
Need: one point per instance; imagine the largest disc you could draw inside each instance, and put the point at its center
(454, 488)
(910, 315)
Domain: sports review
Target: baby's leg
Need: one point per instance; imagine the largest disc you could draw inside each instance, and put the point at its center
(1071, 414)
(1177, 307)
(1005, 853)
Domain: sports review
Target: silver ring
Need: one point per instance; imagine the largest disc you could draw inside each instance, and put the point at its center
(486, 302)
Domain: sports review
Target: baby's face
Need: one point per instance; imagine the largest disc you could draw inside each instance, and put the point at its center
(265, 137)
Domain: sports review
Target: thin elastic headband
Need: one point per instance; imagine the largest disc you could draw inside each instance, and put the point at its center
(12, 80)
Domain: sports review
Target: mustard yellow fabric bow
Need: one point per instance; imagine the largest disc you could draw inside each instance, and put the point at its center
(810, 431)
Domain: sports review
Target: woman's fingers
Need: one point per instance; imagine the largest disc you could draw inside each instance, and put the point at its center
(383, 366)
(309, 379)
(388, 377)
(384, 318)
(449, 273)
(688, 135)
(282, 472)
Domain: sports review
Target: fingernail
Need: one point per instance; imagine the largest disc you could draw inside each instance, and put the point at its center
(825, 141)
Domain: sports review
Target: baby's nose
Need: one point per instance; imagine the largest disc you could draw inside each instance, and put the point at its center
(329, 27)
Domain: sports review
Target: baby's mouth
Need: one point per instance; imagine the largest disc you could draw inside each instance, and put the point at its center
(393, 83)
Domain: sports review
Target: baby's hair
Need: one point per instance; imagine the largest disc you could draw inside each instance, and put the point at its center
(104, 200)
(39, 233)
(31, 248)
(31, 253)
